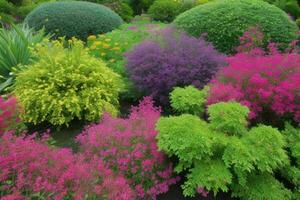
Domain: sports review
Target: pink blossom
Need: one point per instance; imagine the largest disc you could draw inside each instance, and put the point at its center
(32, 166)
(202, 191)
(135, 154)
(268, 83)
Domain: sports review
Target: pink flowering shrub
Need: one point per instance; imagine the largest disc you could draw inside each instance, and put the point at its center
(128, 146)
(8, 114)
(268, 84)
(32, 170)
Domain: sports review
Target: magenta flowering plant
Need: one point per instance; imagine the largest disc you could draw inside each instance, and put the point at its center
(268, 84)
(128, 147)
(32, 170)
(8, 114)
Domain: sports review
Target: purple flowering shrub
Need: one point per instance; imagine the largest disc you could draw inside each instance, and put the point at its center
(172, 59)
(128, 147)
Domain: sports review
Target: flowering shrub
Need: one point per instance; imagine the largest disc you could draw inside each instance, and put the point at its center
(66, 84)
(169, 60)
(268, 84)
(223, 154)
(31, 169)
(128, 146)
(8, 114)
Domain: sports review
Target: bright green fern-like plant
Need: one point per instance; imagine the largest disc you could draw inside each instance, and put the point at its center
(189, 100)
(228, 118)
(224, 154)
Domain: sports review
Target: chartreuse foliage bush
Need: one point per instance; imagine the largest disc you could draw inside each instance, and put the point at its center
(224, 21)
(112, 46)
(15, 53)
(224, 155)
(189, 100)
(66, 83)
(73, 19)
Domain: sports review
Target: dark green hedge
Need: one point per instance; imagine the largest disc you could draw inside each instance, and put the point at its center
(225, 21)
(73, 18)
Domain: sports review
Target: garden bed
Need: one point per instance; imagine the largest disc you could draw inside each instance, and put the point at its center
(142, 100)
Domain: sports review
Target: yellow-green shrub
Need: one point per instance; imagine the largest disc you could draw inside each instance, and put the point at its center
(66, 84)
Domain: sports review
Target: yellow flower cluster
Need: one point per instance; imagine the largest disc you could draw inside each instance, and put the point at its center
(104, 47)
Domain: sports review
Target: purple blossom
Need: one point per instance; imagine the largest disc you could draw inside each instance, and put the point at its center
(172, 59)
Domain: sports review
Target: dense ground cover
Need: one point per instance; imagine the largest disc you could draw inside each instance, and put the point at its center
(198, 95)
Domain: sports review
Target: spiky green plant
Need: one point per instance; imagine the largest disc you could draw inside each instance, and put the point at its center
(15, 45)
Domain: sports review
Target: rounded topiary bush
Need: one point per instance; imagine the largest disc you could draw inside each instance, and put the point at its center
(73, 18)
(172, 59)
(224, 21)
(66, 84)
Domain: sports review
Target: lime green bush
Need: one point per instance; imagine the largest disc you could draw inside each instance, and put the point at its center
(73, 19)
(66, 84)
(189, 100)
(224, 155)
(224, 21)
(112, 46)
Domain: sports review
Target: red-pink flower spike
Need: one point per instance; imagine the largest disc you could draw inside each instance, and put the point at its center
(8, 114)
(128, 146)
(32, 167)
(263, 83)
